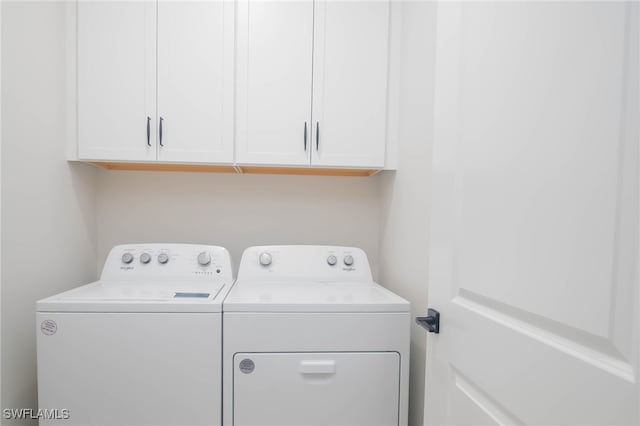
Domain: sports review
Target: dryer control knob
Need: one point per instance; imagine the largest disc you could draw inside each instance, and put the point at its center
(127, 258)
(265, 259)
(204, 258)
(145, 258)
(163, 258)
(332, 260)
(348, 260)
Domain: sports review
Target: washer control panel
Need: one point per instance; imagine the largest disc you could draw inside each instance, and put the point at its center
(168, 261)
(312, 263)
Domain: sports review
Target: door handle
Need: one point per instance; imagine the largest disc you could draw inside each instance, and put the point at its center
(318, 367)
(431, 322)
(317, 135)
(149, 131)
(305, 135)
(160, 131)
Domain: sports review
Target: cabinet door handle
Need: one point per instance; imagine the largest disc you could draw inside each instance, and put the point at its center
(317, 135)
(149, 131)
(160, 132)
(305, 135)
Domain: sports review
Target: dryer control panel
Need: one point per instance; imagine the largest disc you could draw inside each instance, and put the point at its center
(312, 263)
(160, 262)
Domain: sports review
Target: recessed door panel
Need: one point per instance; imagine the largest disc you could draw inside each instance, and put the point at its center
(320, 389)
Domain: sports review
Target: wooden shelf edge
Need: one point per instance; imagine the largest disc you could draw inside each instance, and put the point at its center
(308, 171)
(207, 168)
(165, 167)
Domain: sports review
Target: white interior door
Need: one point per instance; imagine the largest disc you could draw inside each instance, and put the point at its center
(274, 54)
(116, 80)
(534, 257)
(195, 81)
(351, 44)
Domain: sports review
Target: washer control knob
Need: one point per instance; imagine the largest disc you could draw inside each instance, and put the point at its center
(348, 260)
(127, 258)
(332, 260)
(204, 258)
(265, 259)
(145, 258)
(163, 258)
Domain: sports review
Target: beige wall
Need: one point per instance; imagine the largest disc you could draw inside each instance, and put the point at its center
(48, 206)
(405, 194)
(236, 211)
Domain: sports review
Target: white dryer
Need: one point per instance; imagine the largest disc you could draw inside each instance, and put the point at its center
(142, 346)
(310, 339)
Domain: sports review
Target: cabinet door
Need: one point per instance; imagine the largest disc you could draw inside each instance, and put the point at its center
(116, 80)
(351, 44)
(274, 82)
(195, 81)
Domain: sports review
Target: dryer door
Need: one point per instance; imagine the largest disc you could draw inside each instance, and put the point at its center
(320, 389)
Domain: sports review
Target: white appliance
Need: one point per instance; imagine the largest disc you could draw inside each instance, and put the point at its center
(310, 339)
(142, 346)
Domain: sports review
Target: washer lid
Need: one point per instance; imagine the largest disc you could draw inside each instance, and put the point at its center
(295, 296)
(105, 296)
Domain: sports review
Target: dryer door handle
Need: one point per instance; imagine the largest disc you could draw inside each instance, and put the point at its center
(318, 367)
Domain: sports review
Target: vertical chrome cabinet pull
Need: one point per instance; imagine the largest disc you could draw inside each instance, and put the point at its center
(160, 133)
(305, 135)
(149, 131)
(317, 135)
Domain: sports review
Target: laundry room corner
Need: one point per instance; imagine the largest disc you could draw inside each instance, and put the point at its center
(405, 204)
(48, 204)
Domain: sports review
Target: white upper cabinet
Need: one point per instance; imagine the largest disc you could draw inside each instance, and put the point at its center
(195, 81)
(268, 83)
(274, 67)
(116, 80)
(134, 106)
(312, 83)
(350, 57)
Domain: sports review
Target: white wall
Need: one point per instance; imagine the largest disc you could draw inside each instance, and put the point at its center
(236, 211)
(405, 194)
(48, 205)
(0, 208)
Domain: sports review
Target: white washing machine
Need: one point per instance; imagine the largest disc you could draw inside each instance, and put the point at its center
(142, 346)
(310, 339)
